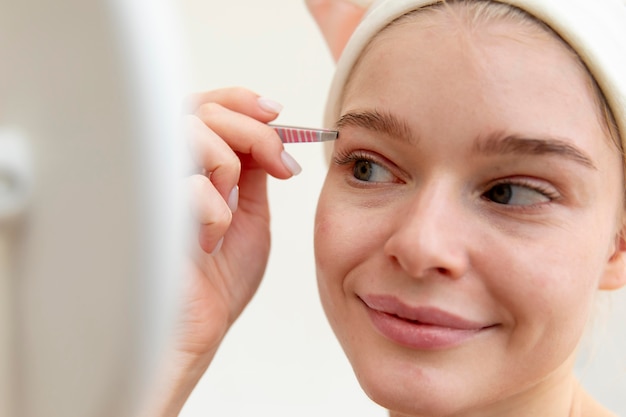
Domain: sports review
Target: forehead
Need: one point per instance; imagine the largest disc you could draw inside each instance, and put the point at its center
(502, 64)
(483, 44)
(446, 81)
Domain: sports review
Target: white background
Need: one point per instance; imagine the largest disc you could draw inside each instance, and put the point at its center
(281, 358)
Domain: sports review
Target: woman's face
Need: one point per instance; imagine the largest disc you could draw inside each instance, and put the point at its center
(469, 214)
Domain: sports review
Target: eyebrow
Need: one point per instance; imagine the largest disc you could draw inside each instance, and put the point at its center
(381, 122)
(395, 128)
(518, 145)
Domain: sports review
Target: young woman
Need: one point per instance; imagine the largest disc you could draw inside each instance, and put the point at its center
(473, 206)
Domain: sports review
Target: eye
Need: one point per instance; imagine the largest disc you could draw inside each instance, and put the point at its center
(370, 171)
(520, 194)
(365, 168)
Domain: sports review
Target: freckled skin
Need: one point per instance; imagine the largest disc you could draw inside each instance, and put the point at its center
(432, 238)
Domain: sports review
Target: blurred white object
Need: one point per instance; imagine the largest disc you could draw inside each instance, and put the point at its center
(15, 174)
(91, 226)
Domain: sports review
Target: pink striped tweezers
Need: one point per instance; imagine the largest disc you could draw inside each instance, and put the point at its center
(290, 134)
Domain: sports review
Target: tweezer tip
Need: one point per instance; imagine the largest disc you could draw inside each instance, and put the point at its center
(329, 135)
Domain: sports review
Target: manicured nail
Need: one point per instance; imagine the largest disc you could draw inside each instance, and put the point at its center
(218, 247)
(290, 163)
(233, 199)
(269, 105)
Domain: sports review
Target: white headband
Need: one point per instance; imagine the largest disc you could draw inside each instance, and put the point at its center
(595, 29)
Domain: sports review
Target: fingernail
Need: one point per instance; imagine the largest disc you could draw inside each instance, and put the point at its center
(218, 247)
(269, 105)
(233, 199)
(290, 163)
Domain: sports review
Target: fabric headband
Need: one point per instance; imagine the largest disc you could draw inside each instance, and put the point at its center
(596, 30)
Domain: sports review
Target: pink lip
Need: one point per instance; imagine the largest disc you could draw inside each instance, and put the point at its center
(423, 328)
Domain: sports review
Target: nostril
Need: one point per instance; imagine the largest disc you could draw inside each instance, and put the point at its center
(420, 253)
(396, 262)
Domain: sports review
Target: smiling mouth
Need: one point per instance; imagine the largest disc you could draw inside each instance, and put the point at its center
(415, 321)
(421, 328)
(457, 325)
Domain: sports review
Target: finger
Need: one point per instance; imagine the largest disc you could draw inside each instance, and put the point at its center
(239, 100)
(211, 153)
(247, 135)
(210, 210)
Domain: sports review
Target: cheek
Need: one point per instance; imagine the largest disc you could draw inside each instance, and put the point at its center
(547, 288)
(333, 249)
(345, 238)
(346, 234)
(326, 245)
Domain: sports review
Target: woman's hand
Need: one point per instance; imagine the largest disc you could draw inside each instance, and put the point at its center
(233, 150)
(231, 143)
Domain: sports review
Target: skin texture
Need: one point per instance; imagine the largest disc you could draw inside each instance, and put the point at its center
(423, 222)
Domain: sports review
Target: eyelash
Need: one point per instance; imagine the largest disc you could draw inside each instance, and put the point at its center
(344, 158)
(546, 191)
(542, 189)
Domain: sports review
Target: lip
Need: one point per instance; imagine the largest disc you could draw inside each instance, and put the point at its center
(419, 327)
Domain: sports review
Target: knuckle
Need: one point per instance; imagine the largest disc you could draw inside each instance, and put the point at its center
(193, 128)
(208, 111)
(240, 93)
(267, 140)
(232, 164)
(209, 206)
(221, 219)
(193, 187)
(266, 134)
(226, 172)
(196, 183)
(226, 216)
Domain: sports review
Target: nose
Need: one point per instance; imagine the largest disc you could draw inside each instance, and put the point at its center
(430, 235)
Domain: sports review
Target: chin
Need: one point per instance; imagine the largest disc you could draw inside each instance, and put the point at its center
(406, 403)
(409, 391)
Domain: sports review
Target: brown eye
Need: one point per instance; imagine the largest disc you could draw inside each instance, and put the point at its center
(500, 194)
(522, 194)
(367, 170)
(362, 170)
